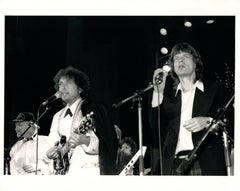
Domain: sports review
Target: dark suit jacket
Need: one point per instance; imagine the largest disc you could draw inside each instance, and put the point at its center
(210, 155)
(108, 143)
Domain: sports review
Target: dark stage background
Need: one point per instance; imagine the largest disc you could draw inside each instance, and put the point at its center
(118, 53)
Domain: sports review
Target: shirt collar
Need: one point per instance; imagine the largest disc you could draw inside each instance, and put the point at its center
(198, 84)
(74, 105)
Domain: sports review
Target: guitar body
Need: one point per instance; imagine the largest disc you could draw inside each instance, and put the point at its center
(61, 163)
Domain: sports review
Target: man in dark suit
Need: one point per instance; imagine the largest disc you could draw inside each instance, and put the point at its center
(188, 105)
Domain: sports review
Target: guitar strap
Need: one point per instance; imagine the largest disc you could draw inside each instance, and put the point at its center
(77, 116)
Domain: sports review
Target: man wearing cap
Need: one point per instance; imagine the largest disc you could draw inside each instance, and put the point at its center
(23, 153)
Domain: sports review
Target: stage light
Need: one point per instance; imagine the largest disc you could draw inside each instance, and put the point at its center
(164, 50)
(163, 31)
(210, 21)
(187, 24)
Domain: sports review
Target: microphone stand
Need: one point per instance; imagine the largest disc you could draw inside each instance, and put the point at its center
(37, 123)
(7, 161)
(159, 133)
(215, 122)
(226, 152)
(137, 97)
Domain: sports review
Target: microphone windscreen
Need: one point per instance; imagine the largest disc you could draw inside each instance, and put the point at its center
(58, 94)
(166, 68)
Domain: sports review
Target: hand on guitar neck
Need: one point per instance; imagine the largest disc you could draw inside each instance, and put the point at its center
(79, 137)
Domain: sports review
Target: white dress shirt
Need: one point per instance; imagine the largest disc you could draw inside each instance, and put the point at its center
(184, 137)
(24, 152)
(84, 159)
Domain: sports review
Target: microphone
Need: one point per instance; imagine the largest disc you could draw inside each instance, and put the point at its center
(159, 77)
(52, 98)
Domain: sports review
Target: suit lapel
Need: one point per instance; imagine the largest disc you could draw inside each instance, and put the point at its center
(203, 100)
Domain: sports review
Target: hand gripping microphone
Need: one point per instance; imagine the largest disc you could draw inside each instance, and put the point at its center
(52, 98)
(159, 77)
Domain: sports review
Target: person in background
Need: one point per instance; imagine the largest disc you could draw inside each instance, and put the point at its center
(126, 151)
(23, 153)
(188, 105)
(89, 152)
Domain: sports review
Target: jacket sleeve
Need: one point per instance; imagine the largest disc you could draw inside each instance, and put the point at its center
(108, 143)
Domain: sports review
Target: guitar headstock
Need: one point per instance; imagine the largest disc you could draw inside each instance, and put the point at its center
(87, 123)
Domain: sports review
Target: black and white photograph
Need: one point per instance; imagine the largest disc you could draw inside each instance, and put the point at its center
(119, 97)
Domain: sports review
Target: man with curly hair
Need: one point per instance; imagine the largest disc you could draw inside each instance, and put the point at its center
(92, 152)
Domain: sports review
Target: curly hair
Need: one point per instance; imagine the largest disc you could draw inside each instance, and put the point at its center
(185, 47)
(129, 141)
(79, 77)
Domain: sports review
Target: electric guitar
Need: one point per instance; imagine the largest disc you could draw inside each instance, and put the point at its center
(86, 124)
(61, 163)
